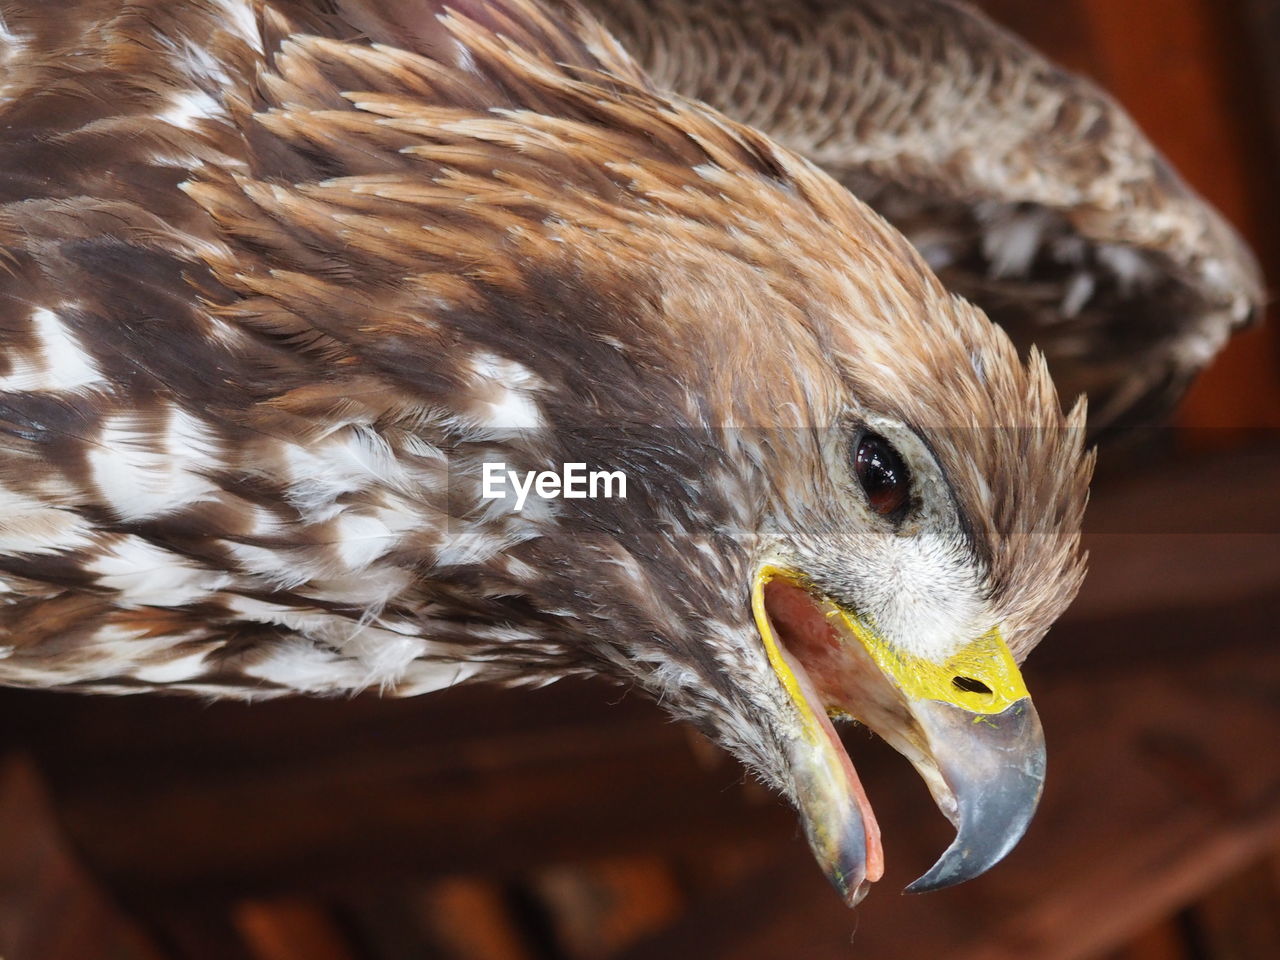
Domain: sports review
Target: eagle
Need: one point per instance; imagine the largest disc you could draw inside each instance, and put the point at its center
(285, 283)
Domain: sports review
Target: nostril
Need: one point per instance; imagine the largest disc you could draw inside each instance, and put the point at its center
(970, 685)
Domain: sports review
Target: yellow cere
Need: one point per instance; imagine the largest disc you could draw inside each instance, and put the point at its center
(985, 660)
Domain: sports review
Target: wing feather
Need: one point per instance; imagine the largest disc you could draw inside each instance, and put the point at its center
(1029, 190)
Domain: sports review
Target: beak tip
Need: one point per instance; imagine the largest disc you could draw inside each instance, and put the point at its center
(956, 865)
(931, 882)
(853, 887)
(849, 876)
(855, 897)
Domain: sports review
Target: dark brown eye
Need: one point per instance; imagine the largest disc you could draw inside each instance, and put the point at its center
(882, 473)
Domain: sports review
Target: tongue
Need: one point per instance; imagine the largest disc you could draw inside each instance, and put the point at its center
(801, 627)
(875, 853)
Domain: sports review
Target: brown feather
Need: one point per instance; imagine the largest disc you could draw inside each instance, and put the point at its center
(306, 271)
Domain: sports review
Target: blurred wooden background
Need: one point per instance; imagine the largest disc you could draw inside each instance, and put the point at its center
(576, 823)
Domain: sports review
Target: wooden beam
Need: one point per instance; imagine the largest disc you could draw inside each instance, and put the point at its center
(600, 908)
(50, 908)
(470, 918)
(1165, 940)
(1158, 873)
(198, 930)
(290, 928)
(1241, 917)
(1261, 22)
(1190, 531)
(333, 792)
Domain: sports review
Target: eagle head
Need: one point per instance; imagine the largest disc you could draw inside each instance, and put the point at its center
(869, 511)
(374, 255)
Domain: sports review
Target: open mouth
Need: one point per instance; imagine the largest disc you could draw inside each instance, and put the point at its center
(967, 725)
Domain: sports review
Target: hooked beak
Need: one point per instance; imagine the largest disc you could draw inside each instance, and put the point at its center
(967, 725)
(992, 767)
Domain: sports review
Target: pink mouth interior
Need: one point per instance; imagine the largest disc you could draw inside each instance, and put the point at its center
(813, 651)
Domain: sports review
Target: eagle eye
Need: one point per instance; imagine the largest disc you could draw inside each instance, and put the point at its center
(882, 474)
